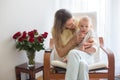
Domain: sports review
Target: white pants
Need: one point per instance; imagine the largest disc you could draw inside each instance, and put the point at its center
(77, 66)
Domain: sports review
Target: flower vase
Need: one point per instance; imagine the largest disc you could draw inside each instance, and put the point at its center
(31, 58)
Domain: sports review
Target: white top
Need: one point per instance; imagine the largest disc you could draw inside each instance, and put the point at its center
(90, 34)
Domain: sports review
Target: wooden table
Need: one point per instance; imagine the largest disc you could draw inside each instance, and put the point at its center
(25, 69)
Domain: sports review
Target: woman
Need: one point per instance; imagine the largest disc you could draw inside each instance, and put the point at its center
(65, 40)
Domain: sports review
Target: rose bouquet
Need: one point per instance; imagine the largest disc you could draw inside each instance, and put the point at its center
(30, 42)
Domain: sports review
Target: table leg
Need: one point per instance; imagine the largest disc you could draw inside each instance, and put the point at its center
(18, 74)
(32, 75)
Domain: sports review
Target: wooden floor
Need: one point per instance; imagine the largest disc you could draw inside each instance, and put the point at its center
(40, 78)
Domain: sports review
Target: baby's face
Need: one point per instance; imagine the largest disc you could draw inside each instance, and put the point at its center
(84, 26)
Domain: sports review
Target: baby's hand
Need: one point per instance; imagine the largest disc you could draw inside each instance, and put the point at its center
(90, 40)
(80, 37)
(89, 43)
(85, 45)
(65, 60)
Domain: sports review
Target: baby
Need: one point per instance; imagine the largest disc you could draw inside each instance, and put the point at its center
(85, 34)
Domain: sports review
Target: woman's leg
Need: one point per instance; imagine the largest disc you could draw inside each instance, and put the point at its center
(83, 71)
(76, 68)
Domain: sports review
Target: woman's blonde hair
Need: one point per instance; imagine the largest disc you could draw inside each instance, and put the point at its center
(60, 18)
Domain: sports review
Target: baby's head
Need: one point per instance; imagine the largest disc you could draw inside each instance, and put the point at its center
(85, 24)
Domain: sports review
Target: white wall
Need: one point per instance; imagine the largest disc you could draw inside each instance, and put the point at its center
(20, 15)
(115, 32)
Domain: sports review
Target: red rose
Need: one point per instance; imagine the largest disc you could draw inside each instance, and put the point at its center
(20, 39)
(35, 32)
(40, 38)
(24, 34)
(31, 34)
(16, 35)
(23, 37)
(31, 39)
(45, 34)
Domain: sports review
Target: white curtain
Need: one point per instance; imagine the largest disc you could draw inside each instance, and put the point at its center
(101, 7)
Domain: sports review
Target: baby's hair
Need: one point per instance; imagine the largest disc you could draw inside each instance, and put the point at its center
(86, 18)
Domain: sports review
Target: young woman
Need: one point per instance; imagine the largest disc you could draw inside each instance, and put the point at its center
(65, 40)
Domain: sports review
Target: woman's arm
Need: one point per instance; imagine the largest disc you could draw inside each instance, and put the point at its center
(63, 50)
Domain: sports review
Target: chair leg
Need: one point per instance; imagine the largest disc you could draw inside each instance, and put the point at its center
(111, 78)
(111, 75)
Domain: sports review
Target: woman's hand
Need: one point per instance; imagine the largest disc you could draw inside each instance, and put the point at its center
(82, 48)
(80, 37)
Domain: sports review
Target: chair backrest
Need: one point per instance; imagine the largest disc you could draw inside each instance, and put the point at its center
(93, 16)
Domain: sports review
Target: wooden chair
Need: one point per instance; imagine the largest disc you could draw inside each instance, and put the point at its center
(56, 73)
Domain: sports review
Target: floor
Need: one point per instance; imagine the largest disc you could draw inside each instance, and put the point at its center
(40, 78)
(116, 78)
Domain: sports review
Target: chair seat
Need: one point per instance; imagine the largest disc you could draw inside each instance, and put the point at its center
(59, 65)
(98, 66)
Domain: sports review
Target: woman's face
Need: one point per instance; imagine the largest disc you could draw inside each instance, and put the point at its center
(70, 24)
